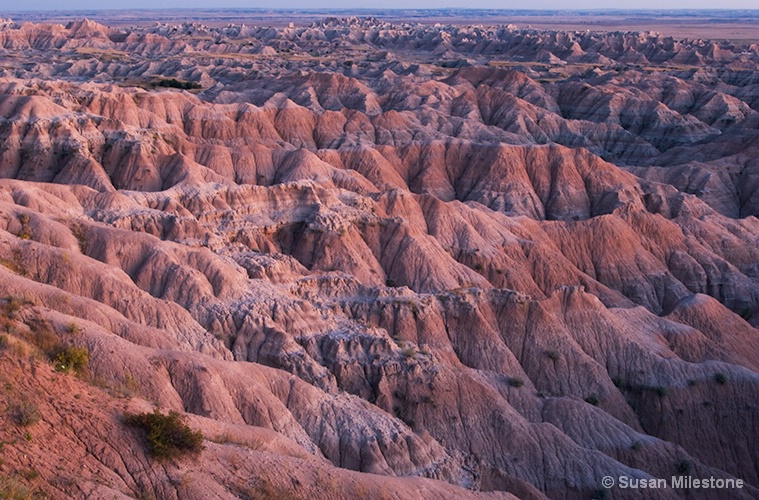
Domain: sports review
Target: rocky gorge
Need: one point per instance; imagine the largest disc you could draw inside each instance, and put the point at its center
(378, 260)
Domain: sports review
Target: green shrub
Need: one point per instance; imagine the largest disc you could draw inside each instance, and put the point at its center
(721, 378)
(168, 436)
(25, 233)
(72, 359)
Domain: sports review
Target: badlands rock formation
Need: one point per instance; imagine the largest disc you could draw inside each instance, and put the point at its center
(380, 261)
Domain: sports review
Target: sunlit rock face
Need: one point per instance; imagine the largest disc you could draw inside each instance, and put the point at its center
(379, 260)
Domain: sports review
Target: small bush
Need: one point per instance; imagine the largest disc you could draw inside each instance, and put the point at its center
(409, 352)
(684, 466)
(13, 489)
(12, 306)
(592, 399)
(73, 328)
(45, 339)
(415, 311)
(168, 436)
(12, 265)
(26, 413)
(7, 324)
(129, 388)
(72, 359)
(721, 378)
(660, 390)
(30, 474)
(80, 233)
(553, 355)
(599, 495)
(25, 233)
(515, 382)
(4, 342)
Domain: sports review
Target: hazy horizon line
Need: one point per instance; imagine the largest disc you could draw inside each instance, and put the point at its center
(375, 9)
